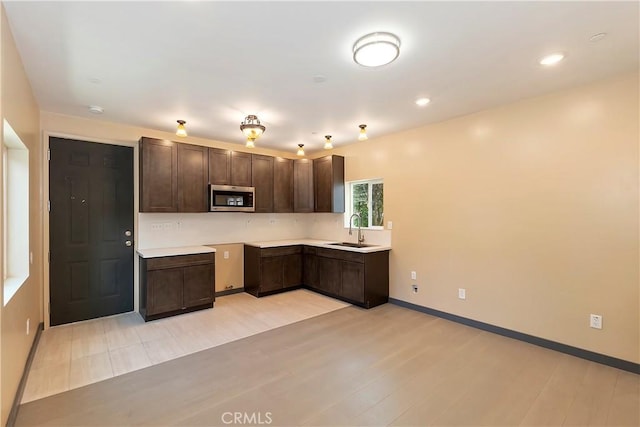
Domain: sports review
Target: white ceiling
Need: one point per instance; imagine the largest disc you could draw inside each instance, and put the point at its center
(212, 63)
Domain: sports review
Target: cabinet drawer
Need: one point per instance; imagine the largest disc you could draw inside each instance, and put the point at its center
(338, 254)
(179, 261)
(284, 250)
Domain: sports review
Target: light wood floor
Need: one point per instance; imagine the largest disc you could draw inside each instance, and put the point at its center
(384, 366)
(82, 353)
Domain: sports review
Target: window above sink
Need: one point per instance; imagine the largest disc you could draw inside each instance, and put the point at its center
(366, 198)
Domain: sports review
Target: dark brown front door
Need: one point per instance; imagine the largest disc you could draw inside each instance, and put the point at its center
(91, 230)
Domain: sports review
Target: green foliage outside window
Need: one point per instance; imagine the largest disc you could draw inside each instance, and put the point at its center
(377, 213)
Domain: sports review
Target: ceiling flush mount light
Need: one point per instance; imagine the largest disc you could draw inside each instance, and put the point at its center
(363, 133)
(300, 151)
(421, 102)
(252, 129)
(552, 59)
(181, 131)
(376, 49)
(327, 142)
(95, 109)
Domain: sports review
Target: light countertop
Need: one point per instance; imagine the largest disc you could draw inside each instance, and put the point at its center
(183, 250)
(317, 243)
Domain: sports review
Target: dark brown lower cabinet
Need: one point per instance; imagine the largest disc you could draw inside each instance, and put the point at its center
(176, 284)
(310, 267)
(329, 278)
(352, 281)
(272, 270)
(358, 278)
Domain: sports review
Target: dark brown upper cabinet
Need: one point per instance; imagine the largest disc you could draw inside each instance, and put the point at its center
(228, 167)
(262, 180)
(303, 185)
(193, 171)
(173, 176)
(329, 184)
(219, 166)
(158, 175)
(282, 185)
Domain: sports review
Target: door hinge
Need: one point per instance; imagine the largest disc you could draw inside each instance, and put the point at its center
(49, 257)
(49, 205)
(49, 154)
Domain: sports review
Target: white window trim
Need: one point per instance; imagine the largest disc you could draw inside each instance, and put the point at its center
(348, 211)
(16, 259)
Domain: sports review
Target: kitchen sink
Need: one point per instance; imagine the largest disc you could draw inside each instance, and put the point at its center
(351, 244)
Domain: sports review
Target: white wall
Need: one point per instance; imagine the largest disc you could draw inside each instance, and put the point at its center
(160, 230)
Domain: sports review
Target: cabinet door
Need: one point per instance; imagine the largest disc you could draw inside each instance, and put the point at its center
(303, 185)
(322, 184)
(271, 273)
(328, 182)
(310, 271)
(292, 270)
(193, 171)
(282, 185)
(219, 166)
(262, 178)
(240, 169)
(329, 275)
(353, 281)
(158, 175)
(199, 283)
(164, 290)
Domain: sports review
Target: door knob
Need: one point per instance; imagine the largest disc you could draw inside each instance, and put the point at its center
(127, 243)
(127, 233)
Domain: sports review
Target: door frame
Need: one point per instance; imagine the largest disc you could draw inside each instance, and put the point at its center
(46, 290)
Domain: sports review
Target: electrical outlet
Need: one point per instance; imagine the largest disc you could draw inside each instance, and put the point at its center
(167, 225)
(28, 329)
(389, 225)
(156, 226)
(462, 293)
(226, 255)
(595, 321)
(413, 275)
(415, 288)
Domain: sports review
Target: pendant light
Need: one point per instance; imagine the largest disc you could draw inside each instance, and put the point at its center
(252, 128)
(363, 133)
(300, 151)
(181, 131)
(327, 143)
(250, 143)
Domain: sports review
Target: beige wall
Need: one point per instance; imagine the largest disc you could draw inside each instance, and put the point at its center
(532, 207)
(230, 271)
(20, 109)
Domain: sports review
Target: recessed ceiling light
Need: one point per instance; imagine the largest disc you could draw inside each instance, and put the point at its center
(597, 37)
(376, 49)
(421, 102)
(95, 109)
(552, 59)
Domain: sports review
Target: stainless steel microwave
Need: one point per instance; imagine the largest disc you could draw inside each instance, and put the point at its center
(231, 198)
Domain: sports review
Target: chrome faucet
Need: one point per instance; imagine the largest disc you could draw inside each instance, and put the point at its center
(360, 236)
